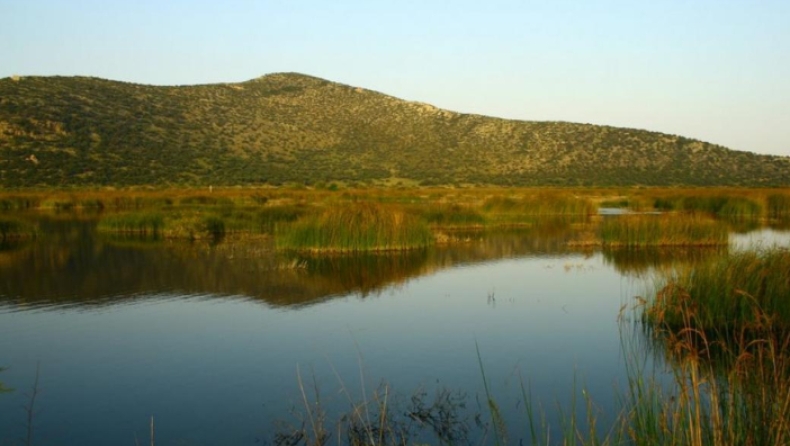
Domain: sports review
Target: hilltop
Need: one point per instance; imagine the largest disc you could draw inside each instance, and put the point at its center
(292, 128)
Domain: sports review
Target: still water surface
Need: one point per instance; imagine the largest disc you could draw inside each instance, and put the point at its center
(208, 339)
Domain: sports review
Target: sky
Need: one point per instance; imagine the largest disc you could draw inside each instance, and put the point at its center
(712, 70)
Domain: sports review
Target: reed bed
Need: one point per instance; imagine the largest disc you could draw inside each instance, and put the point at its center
(254, 220)
(720, 205)
(450, 216)
(661, 230)
(741, 208)
(717, 394)
(194, 226)
(206, 200)
(729, 292)
(724, 328)
(539, 203)
(778, 206)
(268, 218)
(360, 226)
(19, 202)
(176, 224)
(138, 223)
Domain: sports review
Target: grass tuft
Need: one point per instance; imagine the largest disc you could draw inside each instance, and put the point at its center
(745, 289)
(360, 226)
(662, 230)
(138, 223)
(723, 328)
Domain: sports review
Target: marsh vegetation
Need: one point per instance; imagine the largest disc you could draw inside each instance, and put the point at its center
(721, 328)
(703, 351)
(355, 220)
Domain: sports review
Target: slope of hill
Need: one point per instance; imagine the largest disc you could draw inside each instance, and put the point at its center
(77, 131)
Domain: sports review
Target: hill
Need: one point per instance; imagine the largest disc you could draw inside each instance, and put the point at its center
(280, 128)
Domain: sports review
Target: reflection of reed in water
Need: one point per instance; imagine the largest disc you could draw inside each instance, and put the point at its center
(13, 228)
(74, 265)
(646, 259)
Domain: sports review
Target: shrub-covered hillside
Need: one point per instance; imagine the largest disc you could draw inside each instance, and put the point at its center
(78, 131)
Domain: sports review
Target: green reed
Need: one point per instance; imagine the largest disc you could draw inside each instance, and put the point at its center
(126, 202)
(450, 215)
(728, 206)
(740, 207)
(724, 328)
(19, 202)
(729, 292)
(360, 226)
(778, 206)
(662, 230)
(206, 200)
(193, 224)
(176, 224)
(267, 219)
(140, 223)
(539, 203)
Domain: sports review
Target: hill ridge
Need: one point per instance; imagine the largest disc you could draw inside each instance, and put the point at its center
(296, 128)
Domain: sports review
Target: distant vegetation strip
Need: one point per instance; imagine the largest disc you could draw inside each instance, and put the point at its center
(690, 217)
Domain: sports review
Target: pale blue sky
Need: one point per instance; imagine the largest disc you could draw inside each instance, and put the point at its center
(714, 70)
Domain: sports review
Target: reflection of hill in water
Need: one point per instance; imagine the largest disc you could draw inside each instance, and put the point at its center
(73, 266)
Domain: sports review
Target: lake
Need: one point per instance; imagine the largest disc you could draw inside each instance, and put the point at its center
(217, 341)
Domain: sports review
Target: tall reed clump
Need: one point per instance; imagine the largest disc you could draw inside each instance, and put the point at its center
(177, 224)
(740, 208)
(719, 205)
(723, 329)
(662, 230)
(360, 226)
(518, 209)
(194, 225)
(717, 393)
(729, 292)
(269, 217)
(778, 206)
(450, 216)
(137, 223)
